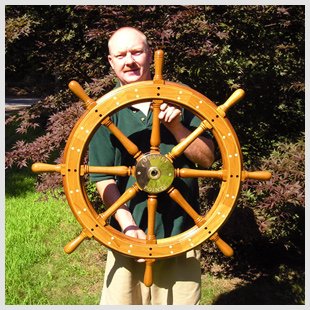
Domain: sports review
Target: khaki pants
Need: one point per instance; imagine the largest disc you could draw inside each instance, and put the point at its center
(176, 281)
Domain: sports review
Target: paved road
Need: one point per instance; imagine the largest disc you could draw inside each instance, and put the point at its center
(17, 104)
(20, 102)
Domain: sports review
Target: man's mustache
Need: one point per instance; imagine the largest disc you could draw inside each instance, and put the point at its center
(131, 69)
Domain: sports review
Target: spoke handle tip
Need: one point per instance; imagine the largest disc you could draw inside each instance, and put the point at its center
(148, 274)
(72, 245)
(222, 245)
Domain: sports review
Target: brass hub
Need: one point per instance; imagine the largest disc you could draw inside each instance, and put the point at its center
(154, 173)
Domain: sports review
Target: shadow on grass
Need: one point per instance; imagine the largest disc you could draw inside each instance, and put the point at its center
(271, 274)
(19, 182)
(266, 290)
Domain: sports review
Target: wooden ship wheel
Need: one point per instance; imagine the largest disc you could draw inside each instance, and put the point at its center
(161, 173)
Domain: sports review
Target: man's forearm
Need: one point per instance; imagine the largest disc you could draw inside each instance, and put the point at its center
(110, 194)
(200, 151)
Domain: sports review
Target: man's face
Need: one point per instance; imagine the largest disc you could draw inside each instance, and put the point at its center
(129, 57)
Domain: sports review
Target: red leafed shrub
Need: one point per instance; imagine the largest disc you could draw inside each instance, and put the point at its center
(269, 219)
(280, 202)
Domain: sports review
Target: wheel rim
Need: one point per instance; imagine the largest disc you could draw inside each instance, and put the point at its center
(97, 226)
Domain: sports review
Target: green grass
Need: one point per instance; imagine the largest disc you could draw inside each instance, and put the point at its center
(39, 272)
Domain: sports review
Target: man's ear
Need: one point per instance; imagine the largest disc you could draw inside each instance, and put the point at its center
(111, 61)
(150, 55)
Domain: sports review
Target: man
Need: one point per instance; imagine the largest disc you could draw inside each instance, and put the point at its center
(176, 280)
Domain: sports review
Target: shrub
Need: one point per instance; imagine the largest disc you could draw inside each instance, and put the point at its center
(280, 202)
(270, 216)
(213, 49)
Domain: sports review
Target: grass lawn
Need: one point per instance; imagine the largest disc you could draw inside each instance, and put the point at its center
(37, 270)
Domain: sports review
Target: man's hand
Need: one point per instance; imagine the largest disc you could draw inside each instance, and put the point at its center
(170, 115)
(109, 194)
(200, 151)
(135, 232)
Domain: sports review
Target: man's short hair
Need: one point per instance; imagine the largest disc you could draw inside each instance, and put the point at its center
(133, 29)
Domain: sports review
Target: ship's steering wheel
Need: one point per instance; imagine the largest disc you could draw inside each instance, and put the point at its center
(161, 172)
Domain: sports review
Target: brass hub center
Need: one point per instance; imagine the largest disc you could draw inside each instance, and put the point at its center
(154, 173)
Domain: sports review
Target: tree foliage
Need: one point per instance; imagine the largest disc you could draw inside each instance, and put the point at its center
(213, 49)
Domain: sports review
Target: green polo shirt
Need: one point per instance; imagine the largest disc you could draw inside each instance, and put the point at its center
(106, 150)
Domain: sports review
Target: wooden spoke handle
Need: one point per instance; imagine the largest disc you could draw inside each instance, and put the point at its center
(180, 148)
(131, 148)
(122, 171)
(148, 274)
(42, 167)
(71, 246)
(178, 198)
(258, 175)
(196, 173)
(159, 64)
(232, 100)
(223, 246)
(84, 169)
(155, 135)
(77, 89)
(128, 194)
(151, 207)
